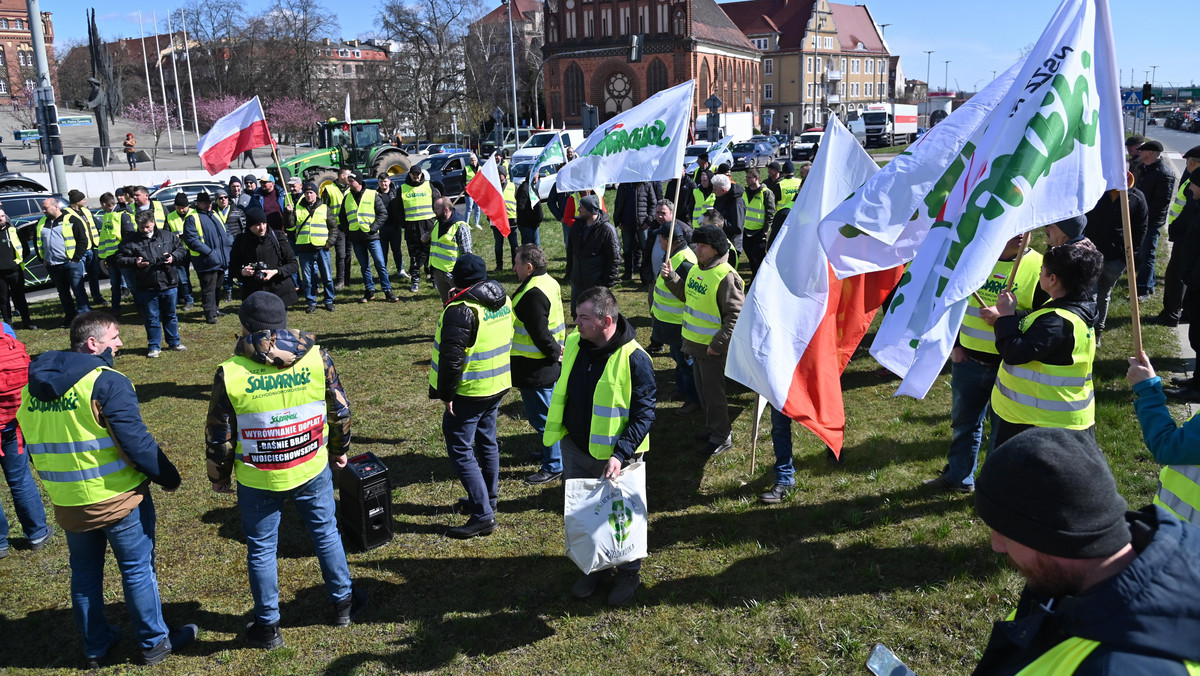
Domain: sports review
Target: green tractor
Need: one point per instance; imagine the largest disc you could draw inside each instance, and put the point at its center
(354, 145)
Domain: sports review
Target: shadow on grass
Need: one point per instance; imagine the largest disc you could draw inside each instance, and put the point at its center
(148, 392)
(386, 338)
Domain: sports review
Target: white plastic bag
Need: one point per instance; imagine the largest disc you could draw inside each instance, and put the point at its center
(605, 519)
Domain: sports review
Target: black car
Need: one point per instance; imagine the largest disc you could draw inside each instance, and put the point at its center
(447, 172)
(24, 209)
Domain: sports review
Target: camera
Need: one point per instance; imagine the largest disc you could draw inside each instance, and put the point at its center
(260, 270)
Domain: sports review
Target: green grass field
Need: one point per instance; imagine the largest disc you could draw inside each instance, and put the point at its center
(858, 554)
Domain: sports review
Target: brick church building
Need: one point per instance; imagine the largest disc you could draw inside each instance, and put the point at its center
(587, 56)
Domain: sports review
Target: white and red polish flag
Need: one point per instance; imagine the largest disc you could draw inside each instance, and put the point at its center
(486, 191)
(243, 129)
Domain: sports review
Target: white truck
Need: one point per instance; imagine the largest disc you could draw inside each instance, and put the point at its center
(738, 125)
(890, 124)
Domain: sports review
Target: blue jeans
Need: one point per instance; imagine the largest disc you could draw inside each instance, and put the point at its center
(376, 251)
(471, 443)
(537, 406)
(781, 440)
(120, 282)
(685, 379)
(132, 541)
(158, 310)
(530, 235)
(314, 266)
(261, 512)
(26, 499)
(566, 234)
(63, 277)
(184, 270)
(91, 266)
(1145, 260)
(473, 212)
(1109, 274)
(970, 391)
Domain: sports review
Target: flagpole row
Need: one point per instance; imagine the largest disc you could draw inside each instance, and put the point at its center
(1131, 273)
(1012, 276)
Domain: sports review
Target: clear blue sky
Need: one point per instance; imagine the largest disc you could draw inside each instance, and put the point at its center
(977, 37)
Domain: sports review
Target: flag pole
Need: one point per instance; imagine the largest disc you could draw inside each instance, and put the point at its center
(754, 427)
(675, 217)
(1131, 273)
(1012, 276)
(287, 197)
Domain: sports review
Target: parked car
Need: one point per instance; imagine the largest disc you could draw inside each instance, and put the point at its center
(539, 140)
(804, 148)
(11, 181)
(24, 208)
(781, 141)
(751, 154)
(447, 172)
(166, 194)
(435, 148)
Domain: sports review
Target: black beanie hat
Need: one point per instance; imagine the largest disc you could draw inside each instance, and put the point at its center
(1073, 227)
(254, 216)
(712, 236)
(1051, 490)
(468, 269)
(181, 199)
(263, 311)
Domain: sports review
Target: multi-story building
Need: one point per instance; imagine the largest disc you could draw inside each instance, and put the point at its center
(588, 54)
(819, 58)
(17, 70)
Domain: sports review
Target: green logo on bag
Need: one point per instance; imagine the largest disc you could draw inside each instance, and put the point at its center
(620, 520)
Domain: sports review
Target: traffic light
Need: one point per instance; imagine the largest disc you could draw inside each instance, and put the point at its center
(1147, 95)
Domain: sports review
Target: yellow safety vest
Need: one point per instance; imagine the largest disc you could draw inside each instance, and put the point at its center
(68, 235)
(418, 201)
(522, 342)
(311, 226)
(332, 193)
(14, 243)
(975, 334)
(471, 171)
(510, 202)
(1045, 395)
(1179, 201)
(702, 317)
(160, 213)
(443, 246)
(175, 222)
(701, 205)
(89, 224)
(788, 189)
(667, 308)
(1179, 491)
(359, 217)
(110, 234)
(610, 403)
(194, 218)
(487, 369)
(75, 456)
(756, 211)
(282, 423)
(1066, 657)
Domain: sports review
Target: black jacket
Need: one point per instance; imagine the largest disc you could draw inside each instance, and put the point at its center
(158, 276)
(534, 312)
(687, 201)
(395, 214)
(732, 207)
(594, 254)
(634, 204)
(529, 215)
(581, 390)
(1105, 225)
(460, 327)
(1189, 250)
(1049, 339)
(1146, 618)
(235, 220)
(249, 248)
(1158, 185)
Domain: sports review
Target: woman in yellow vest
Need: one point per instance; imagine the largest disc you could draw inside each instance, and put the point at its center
(1045, 378)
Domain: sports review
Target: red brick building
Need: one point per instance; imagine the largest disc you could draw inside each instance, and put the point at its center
(587, 55)
(16, 49)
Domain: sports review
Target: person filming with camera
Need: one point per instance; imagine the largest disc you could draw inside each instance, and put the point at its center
(262, 261)
(153, 254)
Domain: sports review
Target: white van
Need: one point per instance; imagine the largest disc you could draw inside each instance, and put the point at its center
(539, 140)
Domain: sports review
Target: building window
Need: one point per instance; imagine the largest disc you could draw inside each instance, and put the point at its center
(571, 31)
(25, 59)
(842, 89)
(855, 66)
(883, 90)
(573, 90)
(663, 14)
(20, 25)
(882, 68)
(347, 69)
(4, 24)
(808, 64)
(761, 43)
(553, 31)
(815, 41)
(870, 66)
(869, 88)
(810, 91)
(828, 42)
(357, 54)
(656, 78)
(30, 85)
(606, 22)
(843, 64)
(768, 66)
(588, 23)
(643, 19)
(624, 21)
(3, 86)
(768, 91)
(853, 89)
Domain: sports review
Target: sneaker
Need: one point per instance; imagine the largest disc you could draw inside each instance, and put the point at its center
(310, 309)
(473, 528)
(654, 347)
(153, 353)
(1185, 393)
(943, 484)
(414, 287)
(264, 636)
(776, 495)
(178, 348)
(40, 543)
(211, 319)
(542, 477)
(402, 275)
(229, 296)
(367, 298)
(340, 286)
(347, 609)
(391, 297)
(4, 552)
(100, 661)
(177, 639)
(688, 409)
(586, 585)
(623, 588)
(329, 307)
(1162, 320)
(189, 305)
(714, 448)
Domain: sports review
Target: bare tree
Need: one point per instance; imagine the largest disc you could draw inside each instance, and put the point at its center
(216, 28)
(297, 26)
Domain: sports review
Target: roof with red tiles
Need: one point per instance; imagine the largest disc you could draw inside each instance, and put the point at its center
(787, 18)
(520, 8)
(713, 23)
(854, 26)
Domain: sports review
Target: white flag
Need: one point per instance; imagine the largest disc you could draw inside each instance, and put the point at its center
(347, 107)
(1051, 147)
(645, 143)
(717, 153)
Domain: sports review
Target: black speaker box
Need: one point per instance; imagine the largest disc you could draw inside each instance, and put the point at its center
(365, 510)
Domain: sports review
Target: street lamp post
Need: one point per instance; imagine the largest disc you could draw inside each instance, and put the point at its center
(928, 63)
(512, 56)
(879, 76)
(946, 78)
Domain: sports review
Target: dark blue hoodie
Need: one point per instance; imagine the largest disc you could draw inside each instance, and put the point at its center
(1146, 618)
(53, 373)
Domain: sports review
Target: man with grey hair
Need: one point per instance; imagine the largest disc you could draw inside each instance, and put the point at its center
(730, 202)
(61, 242)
